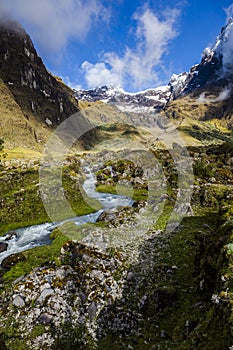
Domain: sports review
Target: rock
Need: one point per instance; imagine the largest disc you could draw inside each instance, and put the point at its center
(47, 292)
(153, 347)
(10, 236)
(107, 216)
(130, 277)
(17, 280)
(137, 181)
(45, 318)
(92, 309)
(12, 260)
(163, 334)
(3, 247)
(18, 301)
(45, 286)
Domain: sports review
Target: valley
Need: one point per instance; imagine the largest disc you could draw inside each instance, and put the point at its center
(147, 265)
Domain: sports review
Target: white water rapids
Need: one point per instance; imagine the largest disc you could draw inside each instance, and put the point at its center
(37, 235)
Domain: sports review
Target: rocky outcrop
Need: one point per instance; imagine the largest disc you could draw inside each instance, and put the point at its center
(34, 101)
(122, 172)
(34, 88)
(66, 299)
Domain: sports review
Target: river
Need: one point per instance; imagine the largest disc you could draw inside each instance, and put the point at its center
(37, 235)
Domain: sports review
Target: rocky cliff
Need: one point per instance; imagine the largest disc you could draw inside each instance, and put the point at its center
(33, 101)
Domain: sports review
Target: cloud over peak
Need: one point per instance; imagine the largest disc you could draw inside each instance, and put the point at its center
(137, 65)
(54, 22)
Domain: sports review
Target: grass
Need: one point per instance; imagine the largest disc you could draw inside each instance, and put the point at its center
(21, 153)
(38, 256)
(21, 205)
(135, 193)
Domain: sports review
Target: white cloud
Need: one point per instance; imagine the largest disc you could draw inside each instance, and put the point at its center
(223, 95)
(136, 66)
(229, 11)
(99, 74)
(227, 43)
(54, 22)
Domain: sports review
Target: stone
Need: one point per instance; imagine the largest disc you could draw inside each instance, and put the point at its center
(47, 292)
(18, 301)
(10, 236)
(107, 216)
(19, 279)
(92, 309)
(130, 277)
(45, 318)
(3, 247)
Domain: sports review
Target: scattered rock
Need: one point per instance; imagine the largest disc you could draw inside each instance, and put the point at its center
(18, 301)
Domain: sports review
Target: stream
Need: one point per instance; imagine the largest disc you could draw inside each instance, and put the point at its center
(29, 237)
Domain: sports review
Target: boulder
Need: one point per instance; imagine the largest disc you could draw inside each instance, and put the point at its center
(107, 216)
(18, 301)
(12, 260)
(3, 247)
(47, 292)
(45, 318)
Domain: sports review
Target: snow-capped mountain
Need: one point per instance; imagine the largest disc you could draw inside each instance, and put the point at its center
(149, 99)
(216, 63)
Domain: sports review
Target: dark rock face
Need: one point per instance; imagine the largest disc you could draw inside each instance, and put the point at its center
(3, 247)
(35, 90)
(213, 68)
(206, 72)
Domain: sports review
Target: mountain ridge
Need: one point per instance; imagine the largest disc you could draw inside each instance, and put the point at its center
(209, 77)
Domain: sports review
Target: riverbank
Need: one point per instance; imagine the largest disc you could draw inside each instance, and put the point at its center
(21, 203)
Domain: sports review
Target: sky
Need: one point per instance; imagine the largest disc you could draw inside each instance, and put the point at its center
(132, 44)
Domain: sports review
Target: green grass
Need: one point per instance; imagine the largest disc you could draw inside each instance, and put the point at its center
(135, 193)
(22, 205)
(38, 256)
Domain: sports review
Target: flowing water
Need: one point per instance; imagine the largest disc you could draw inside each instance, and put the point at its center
(37, 235)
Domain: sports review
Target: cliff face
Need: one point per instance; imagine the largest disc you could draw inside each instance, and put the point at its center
(34, 89)
(33, 101)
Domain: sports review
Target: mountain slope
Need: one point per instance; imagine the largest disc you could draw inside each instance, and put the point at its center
(33, 102)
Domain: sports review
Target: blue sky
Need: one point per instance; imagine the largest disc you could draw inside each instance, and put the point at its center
(133, 44)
